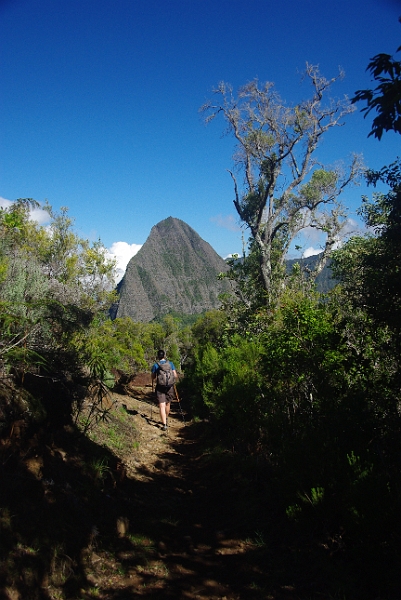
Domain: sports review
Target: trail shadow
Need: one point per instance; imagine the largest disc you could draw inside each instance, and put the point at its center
(68, 529)
(57, 497)
(219, 530)
(192, 524)
(193, 548)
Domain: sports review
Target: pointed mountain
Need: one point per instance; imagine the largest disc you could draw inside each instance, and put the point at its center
(174, 271)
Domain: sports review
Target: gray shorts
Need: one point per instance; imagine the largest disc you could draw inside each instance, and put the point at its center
(165, 394)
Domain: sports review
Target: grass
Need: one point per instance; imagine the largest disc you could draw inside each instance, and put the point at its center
(53, 528)
(142, 542)
(98, 468)
(259, 540)
(117, 434)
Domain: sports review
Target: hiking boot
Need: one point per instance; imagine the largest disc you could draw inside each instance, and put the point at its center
(164, 428)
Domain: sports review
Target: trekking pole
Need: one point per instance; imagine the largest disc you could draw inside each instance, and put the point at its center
(151, 404)
(179, 403)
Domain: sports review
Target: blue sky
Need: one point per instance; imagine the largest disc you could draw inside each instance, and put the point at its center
(99, 102)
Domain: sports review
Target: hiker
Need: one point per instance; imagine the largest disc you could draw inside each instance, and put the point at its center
(163, 371)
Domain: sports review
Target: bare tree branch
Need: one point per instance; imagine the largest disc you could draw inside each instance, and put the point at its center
(276, 145)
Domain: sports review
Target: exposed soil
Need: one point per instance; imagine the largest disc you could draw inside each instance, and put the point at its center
(131, 511)
(152, 514)
(182, 525)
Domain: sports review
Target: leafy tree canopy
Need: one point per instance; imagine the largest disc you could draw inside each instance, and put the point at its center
(385, 99)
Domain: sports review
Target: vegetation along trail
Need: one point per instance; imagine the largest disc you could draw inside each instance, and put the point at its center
(183, 533)
(130, 511)
(284, 481)
(188, 514)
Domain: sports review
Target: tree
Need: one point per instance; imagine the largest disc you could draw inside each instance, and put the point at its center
(52, 284)
(369, 267)
(285, 190)
(210, 328)
(385, 99)
(79, 271)
(381, 281)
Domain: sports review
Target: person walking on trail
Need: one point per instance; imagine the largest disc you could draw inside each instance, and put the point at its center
(163, 371)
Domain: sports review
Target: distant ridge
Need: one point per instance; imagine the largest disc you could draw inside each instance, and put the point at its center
(324, 281)
(174, 271)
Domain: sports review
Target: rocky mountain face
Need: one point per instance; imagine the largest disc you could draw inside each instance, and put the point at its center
(324, 281)
(174, 271)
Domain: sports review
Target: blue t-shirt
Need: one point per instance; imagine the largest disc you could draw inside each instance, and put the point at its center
(156, 365)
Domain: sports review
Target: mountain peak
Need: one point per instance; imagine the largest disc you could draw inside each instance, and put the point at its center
(174, 271)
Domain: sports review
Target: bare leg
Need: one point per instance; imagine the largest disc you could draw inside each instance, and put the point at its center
(163, 411)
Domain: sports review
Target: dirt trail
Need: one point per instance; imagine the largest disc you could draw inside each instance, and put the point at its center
(130, 511)
(135, 512)
(183, 536)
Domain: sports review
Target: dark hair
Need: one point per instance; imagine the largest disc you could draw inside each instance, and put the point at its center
(161, 354)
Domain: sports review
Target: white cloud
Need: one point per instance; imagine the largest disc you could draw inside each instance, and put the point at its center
(38, 215)
(311, 252)
(311, 234)
(122, 252)
(5, 203)
(227, 222)
(352, 227)
(236, 254)
(315, 237)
